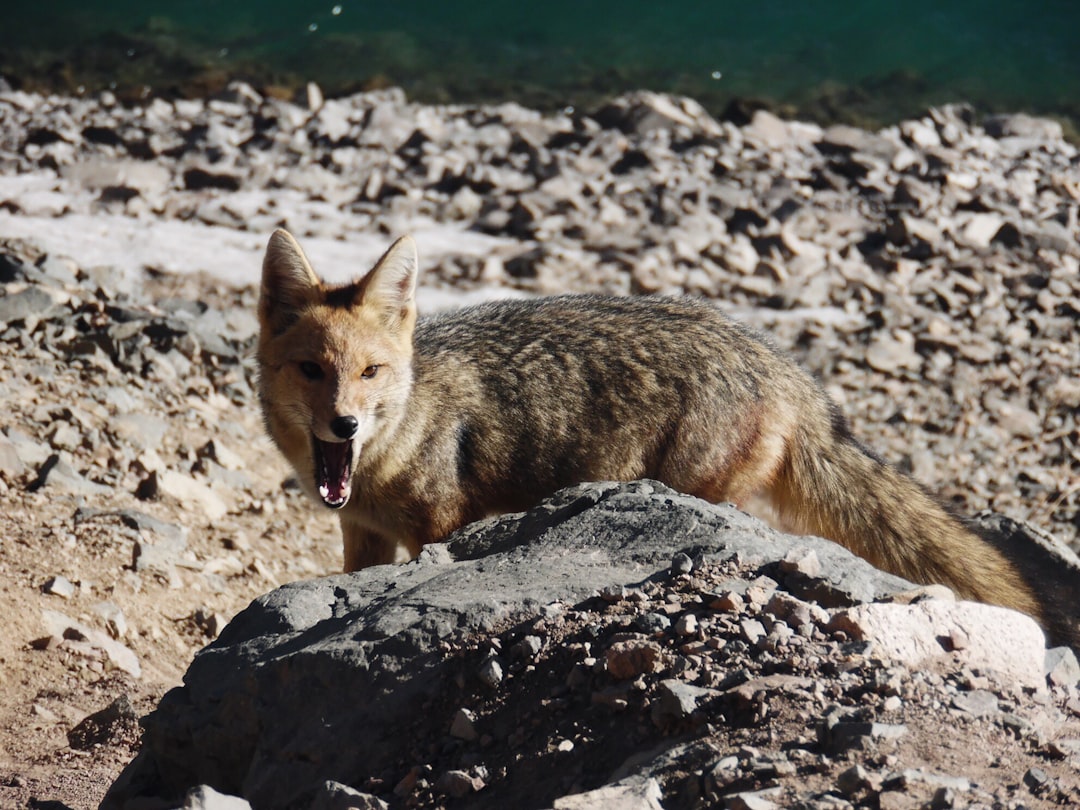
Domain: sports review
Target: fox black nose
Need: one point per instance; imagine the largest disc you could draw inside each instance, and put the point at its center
(344, 427)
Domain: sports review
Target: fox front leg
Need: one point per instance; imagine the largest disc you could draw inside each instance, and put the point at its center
(364, 547)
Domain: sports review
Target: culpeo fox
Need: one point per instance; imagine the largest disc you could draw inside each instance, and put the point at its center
(412, 429)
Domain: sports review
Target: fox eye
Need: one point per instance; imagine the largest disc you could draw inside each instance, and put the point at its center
(313, 371)
(369, 372)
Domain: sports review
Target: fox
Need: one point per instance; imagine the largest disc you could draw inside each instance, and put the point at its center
(411, 428)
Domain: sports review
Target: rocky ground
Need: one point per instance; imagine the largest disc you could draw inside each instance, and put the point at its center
(929, 272)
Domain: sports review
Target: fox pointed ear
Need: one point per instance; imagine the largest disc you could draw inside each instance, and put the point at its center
(390, 285)
(288, 282)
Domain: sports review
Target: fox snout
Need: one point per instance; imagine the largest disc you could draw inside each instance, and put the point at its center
(344, 427)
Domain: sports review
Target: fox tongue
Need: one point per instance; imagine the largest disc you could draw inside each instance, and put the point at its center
(333, 471)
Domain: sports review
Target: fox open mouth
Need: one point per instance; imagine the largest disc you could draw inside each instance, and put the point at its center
(333, 469)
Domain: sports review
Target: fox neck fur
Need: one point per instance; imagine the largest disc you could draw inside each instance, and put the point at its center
(413, 428)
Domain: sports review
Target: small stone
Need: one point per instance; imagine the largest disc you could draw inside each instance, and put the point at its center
(752, 630)
(632, 793)
(944, 798)
(802, 561)
(118, 655)
(565, 746)
(1005, 641)
(614, 593)
(853, 780)
(893, 352)
(977, 703)
(687, 625)
(898, 800)
(681, 564)
(11, 466)
(528, 648)
(114, 618)
(629, 659)
(210, 622)
(205, 797)
(1036, 779)
(458, 784)
(44, 714)
(1062, 668)
(218, 452)
(1022, 125)
(729, 602)
(760, 590)
(59, 475)
(407, 784)
(491, 672)
(117, 722)
(837, 734)
(980, 230)
(652, 623)
(65, 436)
(463, 727)
(59, 586)
(33, 302)
(336, 796)
(1061, 749)
(314, 97)
(753, 800)
(676, 701)
(193, 494)
(161, 557)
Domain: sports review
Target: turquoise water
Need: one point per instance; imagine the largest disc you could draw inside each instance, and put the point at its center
(827, 59)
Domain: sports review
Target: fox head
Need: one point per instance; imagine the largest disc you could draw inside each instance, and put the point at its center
(335, 362)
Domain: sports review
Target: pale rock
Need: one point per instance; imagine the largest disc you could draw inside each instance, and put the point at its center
(892, 352)
(633, 793)
(314, 97)
(336, 796)
(767, 130)
(11, 465)
(57, 473)
(141, 430)
(1022, 125)
(629, 659)
(921, 134)
(458, 784)
(753, 800)
(119, 656)
(740, 256)
(999, 639)
(980, 230)
(101, 173)
(462, 726)
(205, 797)
(59, 586)
(192, 493)
(977, 703)
(1062, 668)
(676, 701)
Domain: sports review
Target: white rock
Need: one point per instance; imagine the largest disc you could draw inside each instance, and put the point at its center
(999, 639)
(633, 793)
(980, 229)
(193, 493)
(119, 656)
(204, 797)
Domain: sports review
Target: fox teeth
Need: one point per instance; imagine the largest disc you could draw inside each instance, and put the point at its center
(324, 493)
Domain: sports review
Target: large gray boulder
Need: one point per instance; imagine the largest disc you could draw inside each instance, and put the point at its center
(321, 680)
(361, 679)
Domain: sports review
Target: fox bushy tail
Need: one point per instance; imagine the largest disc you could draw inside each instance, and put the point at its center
(832, 486)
